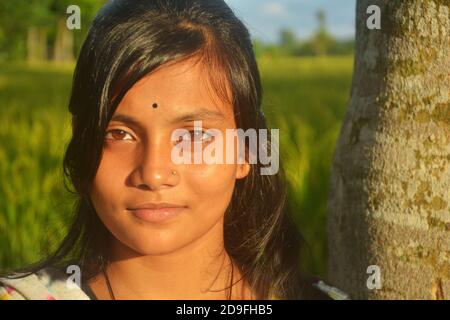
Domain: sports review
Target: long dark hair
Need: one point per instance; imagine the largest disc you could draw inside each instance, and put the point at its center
(128, 40)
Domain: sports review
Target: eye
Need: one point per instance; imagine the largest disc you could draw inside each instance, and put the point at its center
(196, 136)
(118, 134)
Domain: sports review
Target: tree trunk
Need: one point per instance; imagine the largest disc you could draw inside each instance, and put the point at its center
(389, 202)
(36, 44)
(63, 50)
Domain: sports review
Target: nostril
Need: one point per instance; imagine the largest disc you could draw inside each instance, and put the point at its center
(144, 187)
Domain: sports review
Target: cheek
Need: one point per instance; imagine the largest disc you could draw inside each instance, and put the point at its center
(211, 186)
(107, 188)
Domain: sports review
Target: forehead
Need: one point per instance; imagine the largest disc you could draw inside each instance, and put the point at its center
(177, 87)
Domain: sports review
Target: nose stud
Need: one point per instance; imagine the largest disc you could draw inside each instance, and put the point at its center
(174, 172)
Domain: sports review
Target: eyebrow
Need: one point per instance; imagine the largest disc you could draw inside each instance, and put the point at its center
(188, 117)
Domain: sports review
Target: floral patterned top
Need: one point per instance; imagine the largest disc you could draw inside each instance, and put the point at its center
(52, 284)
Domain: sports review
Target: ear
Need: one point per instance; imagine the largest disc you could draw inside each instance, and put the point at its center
(242, 170)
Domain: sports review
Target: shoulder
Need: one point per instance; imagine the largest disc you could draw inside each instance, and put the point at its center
(45, 284)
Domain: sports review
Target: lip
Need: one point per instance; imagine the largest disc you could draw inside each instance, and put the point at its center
(156, 212)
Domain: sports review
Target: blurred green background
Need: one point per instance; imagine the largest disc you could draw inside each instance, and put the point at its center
(306, 86)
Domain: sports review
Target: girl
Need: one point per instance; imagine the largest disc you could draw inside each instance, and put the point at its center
(144, 226)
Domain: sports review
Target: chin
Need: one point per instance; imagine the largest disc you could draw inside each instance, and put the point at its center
(157, 244)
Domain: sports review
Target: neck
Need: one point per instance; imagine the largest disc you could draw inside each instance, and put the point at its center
(201, 270)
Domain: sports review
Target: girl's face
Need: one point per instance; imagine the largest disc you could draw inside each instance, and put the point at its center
(137, 168)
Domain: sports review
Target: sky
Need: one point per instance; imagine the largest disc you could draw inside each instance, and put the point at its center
(264, 18)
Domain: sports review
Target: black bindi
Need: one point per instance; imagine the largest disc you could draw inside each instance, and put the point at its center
(155, 105)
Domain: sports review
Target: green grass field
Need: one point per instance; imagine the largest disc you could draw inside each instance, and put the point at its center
(304, 97)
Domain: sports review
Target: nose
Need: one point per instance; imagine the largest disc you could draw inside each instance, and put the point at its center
(154, 169)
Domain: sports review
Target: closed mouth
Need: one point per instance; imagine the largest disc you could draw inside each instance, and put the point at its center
(156, 206)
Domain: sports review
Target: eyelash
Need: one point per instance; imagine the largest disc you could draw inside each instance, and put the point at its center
(132, 138)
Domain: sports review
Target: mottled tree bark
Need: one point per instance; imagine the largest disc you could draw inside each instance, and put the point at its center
(389, 202)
